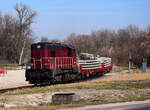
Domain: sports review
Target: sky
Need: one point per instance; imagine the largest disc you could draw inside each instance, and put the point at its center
(57, 19)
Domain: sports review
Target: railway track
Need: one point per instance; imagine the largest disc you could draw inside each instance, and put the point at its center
(20, 88)
(15, 88)
(44, 85)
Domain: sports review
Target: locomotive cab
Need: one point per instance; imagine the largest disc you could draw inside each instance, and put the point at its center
(51, 62)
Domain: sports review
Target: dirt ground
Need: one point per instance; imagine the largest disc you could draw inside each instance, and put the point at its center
(13, 78)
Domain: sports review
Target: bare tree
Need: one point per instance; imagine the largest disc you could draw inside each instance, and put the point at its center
(122, 46)
(25, 17)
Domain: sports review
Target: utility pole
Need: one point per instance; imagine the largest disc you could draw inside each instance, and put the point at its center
(129, 66)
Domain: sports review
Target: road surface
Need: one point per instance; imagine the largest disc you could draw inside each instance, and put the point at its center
(135, 105)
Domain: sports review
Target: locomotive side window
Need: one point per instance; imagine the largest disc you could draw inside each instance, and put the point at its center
(73, 53)
(53, 53)
(49, 53)
(38, 54)
(60, 53)
(69, 52)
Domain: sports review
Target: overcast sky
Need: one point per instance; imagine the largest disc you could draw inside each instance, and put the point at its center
(57, 19)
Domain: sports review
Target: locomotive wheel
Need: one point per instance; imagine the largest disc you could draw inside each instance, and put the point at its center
(66, 78)
(35, 84)
(83, 77)
(51, 82)
(62, 78)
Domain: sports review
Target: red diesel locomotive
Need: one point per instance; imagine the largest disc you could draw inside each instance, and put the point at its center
(51, 62)
(55, 62)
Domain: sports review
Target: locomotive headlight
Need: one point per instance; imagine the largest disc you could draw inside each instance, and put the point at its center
(38, 46)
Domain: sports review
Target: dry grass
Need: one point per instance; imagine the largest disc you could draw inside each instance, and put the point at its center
(125, 76)
(94, 101)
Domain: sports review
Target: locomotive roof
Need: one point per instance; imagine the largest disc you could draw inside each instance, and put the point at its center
(51, 45)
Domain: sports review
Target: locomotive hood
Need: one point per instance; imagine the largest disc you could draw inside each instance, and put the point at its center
(44, 45)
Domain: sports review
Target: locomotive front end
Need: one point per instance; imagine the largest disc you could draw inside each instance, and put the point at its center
(51, 62)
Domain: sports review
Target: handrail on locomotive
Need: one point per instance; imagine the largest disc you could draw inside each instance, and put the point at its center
(53, 62)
